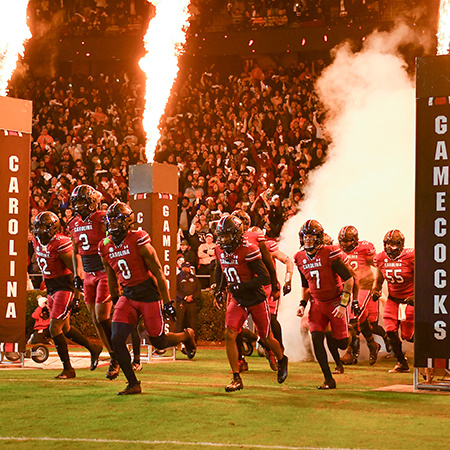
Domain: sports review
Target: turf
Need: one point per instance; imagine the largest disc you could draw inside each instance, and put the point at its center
(184, 405)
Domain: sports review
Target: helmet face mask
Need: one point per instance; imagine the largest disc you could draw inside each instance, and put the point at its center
(348, 238)
(118, 220)
(45, 226)
(230, 233)
(311, 236)
(84, 200)
(394, 242)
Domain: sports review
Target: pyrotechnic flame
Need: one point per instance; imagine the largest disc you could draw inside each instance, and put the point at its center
(443, 33)
(164, 42)
(14, 32)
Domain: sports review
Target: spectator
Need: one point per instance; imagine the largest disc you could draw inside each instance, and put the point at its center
(206, 260)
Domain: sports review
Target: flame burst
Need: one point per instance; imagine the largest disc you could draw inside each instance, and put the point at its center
(14, 32)
(443, 33)
(164, 42)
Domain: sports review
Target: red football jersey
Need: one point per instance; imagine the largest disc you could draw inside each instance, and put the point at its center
(358, 260)
(125, 259)
(86, 235)
(323, 282)
(236, 270)
(254, 237)
(398, 273)
(48, 259)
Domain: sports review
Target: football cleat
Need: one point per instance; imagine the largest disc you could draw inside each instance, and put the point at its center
(243, 365)
(137, 366)
(66, 374)
(374, 348)
(95, 355)
(338, 370)
(282, 369)
(130, 390)
(272, 359)
(235, 385)
(347, 358)
(189, 343)
(113, 370)
(400, 368)
(328, 384)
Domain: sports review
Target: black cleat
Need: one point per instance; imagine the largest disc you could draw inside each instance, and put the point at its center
(130, 390)
(402, 367)
(338, 370)
(374, 350)
(189, 343)
(113, 370)
(66, 374)
(282, 369)
(328, 384)
(95, 355)
(235, 385)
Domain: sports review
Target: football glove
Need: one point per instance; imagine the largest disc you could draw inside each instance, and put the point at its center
(356, 309)
(78, 283)
(169, 311)
(376, 295)
(76, 305)
(287, 288)
(234, 287)
(220, 298)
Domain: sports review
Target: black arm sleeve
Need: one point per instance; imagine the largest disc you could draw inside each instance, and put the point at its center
(262, 278)
(268, 262)
(341, 269)
(219, 277)
(304, 280)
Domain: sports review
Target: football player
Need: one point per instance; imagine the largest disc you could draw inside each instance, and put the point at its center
(87, 229)
(395, 265)
(131, 260)
(256, 236)
(360, 258)
(54, 255)
(327, 282)
(240, 268)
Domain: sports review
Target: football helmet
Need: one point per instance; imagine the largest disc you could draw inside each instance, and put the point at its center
(84, 200)
(45, 226)
(245, 218)
(348, 238)
(394, 242)
(311, 228)
(118, 220)
(230, 233)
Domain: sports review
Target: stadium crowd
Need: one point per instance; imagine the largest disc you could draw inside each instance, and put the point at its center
(245, 142)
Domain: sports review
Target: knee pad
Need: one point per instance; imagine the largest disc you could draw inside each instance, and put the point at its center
(342, 343)
(159, 342)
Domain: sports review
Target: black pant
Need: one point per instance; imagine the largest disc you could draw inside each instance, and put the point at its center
(186, 315)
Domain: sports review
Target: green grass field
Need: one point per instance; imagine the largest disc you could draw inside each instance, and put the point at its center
(184, 405)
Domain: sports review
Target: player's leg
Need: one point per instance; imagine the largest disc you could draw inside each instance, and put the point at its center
(234, 321)
(390, 317)
(332, 346)
(154, 324)
(136, 344)
(261, 317)
(318, 338)
(374, 347)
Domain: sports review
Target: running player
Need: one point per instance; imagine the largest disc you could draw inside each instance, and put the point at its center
(131, 260)
(54, 255)
(87, 230)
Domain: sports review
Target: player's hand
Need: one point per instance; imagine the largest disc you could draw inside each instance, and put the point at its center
(287, 288)
(76, 305)
(301, 311)
(234, 287)
(356, 309)
(339, 312)
(78, 283)
(376, 295)
(410, 300)
(169, 311)
(219, 299)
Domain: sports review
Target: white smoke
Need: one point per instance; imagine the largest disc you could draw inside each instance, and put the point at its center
(368, 178)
